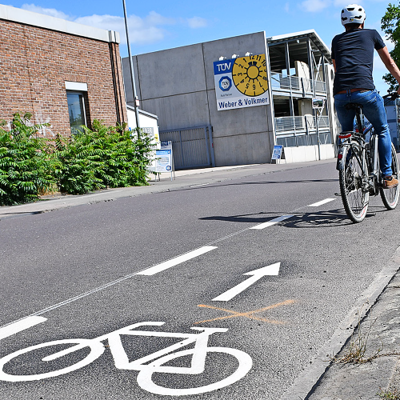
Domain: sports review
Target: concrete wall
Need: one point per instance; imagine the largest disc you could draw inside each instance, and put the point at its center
(307, 153)
(178, 86)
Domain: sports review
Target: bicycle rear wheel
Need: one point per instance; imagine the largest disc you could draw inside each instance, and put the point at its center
(96, 349)
(390, 197)
(355, 198)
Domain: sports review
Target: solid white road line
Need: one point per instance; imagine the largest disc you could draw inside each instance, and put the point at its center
(175, 261)
(320, 203)
(272, 222)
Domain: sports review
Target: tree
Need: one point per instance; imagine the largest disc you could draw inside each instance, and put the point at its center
(390, 24)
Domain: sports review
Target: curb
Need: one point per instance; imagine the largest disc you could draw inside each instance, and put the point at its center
(309, 379)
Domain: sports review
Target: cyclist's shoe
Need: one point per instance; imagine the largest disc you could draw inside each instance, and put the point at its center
(389, 182)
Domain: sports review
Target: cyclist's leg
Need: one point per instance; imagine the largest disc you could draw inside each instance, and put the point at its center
(374, 110)
(345, 116)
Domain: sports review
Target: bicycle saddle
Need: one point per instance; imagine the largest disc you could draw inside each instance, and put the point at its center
(353, 106)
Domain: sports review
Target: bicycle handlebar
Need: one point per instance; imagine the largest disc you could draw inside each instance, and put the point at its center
(391, 96)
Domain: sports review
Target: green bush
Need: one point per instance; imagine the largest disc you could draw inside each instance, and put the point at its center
(102, 157)
(25, 162)
(90, 160)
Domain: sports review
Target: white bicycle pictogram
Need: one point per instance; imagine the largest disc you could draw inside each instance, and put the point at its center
(147, 365)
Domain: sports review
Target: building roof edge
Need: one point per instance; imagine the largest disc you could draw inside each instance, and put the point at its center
(310, 32)
(21, 16)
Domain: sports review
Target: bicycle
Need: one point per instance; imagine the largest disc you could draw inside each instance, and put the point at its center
(147, 365)
(359, 172)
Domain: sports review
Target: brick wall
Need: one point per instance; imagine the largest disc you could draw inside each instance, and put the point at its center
(36, 62)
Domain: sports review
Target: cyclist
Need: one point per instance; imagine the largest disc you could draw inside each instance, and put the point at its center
(352, 56)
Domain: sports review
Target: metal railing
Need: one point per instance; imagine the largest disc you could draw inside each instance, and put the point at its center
(302, 130)
(280, 82)
(301, 124)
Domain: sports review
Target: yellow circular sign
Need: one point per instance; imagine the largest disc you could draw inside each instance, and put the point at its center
(250, 75)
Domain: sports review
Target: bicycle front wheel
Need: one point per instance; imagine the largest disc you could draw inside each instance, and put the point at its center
(390, 197)
(355, 197)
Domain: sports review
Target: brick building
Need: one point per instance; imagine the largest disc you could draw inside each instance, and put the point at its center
(64, 73)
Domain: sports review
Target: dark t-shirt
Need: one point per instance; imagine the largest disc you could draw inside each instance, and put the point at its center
(353, 53)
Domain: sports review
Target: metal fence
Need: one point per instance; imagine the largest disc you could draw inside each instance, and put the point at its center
(192, 147)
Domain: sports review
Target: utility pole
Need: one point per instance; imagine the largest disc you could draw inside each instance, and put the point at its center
(131, 66)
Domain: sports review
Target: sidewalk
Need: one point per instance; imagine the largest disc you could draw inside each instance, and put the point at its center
(368, 367)
(376, 338)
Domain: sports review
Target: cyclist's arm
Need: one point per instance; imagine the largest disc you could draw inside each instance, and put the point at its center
(334, 64)
(390, 64)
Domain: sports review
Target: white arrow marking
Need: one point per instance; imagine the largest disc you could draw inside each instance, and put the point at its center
(256, 275)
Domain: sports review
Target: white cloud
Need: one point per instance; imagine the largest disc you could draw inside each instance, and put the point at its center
(46, 11)
(315, 5)
(197, 22)
(149, 29)
(141, 30)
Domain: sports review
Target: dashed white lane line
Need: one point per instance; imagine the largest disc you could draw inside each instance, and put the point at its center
(175, 261)
(272, 222)
(20, 325)
(33, 320)
(320, 203)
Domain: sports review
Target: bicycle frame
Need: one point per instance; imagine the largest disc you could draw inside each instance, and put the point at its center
(365, 155)
(121, 359)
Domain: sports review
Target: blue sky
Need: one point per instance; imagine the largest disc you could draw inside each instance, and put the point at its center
(160, 24)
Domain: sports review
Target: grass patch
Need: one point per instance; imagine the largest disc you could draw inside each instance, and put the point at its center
(389, 394)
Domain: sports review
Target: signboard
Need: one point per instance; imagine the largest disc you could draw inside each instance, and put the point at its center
(318, 103)
(164, 158)
(278, 153)
(241, 82)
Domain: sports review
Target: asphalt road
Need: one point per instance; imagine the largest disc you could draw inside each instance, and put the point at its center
(171, 257)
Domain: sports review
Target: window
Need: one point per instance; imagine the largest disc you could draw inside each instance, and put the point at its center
(76, 109)
(77, 105)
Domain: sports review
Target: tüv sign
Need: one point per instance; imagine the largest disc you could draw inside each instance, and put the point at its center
(241, 82)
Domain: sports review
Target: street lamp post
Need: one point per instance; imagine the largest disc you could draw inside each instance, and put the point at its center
(131, 66)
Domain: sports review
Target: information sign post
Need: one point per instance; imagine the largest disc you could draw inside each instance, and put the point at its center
(278, 153)
(318, 104)
(164, 161)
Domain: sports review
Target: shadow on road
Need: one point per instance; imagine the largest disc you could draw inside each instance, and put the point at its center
(326, 218)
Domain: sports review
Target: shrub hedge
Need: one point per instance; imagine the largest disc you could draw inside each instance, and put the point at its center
(93, 159)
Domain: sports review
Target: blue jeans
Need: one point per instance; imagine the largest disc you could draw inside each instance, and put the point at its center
(374, 110)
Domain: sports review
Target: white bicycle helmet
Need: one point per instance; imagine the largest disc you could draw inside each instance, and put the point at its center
(353, 14)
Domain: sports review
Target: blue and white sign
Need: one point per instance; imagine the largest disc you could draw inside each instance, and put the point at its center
(164, 158)
(278, 153)
(241, 82)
